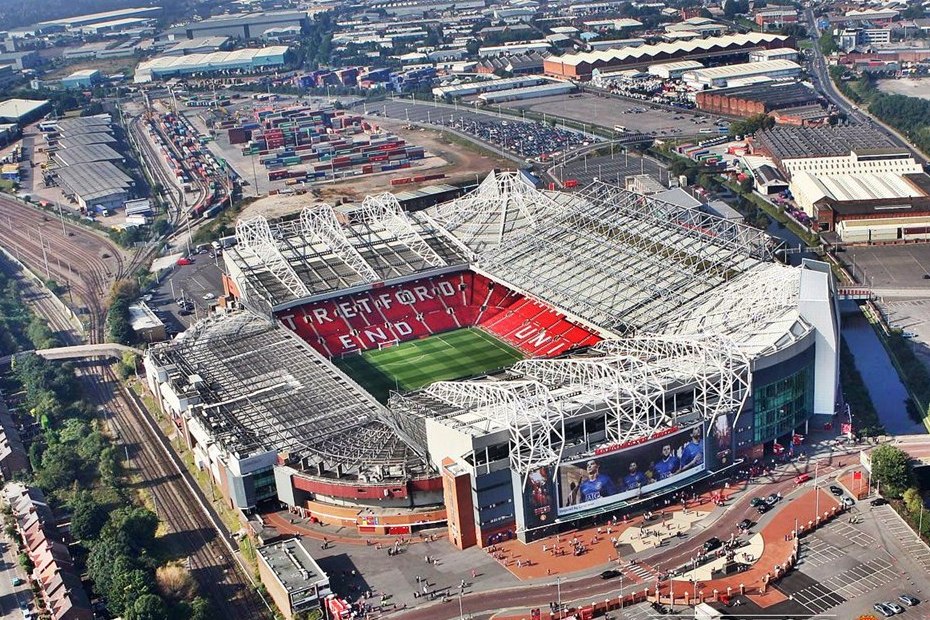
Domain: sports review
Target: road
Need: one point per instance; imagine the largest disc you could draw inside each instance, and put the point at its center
(820, 75)
(591, 588)
(12, 598)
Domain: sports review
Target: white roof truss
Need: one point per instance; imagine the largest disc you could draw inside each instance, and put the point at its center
(320, 222)
(255, 236)
(384, 210)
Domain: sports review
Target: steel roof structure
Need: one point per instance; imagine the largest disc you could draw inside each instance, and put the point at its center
(322, 251)
(686, 301)
(624, 380)
(262, 388)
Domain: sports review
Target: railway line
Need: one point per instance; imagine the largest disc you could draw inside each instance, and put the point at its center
(191, 533)
(89, 264)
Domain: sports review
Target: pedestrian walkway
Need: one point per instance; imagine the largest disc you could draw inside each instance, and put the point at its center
(639, 573)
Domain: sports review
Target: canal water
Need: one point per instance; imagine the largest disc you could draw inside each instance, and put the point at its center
(880, 377)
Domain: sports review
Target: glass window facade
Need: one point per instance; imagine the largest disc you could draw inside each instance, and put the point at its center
(783, 405)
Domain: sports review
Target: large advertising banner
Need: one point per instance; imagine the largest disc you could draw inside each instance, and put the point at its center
(720, 442)
(539, 498)
(632, 471)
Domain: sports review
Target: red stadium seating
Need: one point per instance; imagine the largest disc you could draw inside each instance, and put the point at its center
(420, 308)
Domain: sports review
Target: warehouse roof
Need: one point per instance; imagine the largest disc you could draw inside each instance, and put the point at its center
(210, 61)
(748, 68)
(85, 139)
(94, 180)
(15, 109)
(681, 65)
(848, 187)
(680, 47)
(86, 153)
(785, 142)
(775, 96)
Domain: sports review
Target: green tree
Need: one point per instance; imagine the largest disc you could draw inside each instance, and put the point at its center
(147, 607)
(88, 517)
(472, 46)
(133, 526)
(201, 609)
(912, 500)
(891, 468)
(827, 44)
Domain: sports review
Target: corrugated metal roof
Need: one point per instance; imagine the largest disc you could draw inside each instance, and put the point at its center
(645, 51)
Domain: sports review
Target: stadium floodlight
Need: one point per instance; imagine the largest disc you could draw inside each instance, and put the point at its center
(526, 409)
(255, 236)
(384, 210)
(320, 222)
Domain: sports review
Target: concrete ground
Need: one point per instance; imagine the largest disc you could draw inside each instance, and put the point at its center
(912, 87)
(203, 277)
(608, 112)
(609, 168)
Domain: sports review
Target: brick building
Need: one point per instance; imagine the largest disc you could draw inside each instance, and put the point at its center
(756, 99)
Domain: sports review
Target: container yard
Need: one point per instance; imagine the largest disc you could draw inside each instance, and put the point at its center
(305, 144)
(194, 168)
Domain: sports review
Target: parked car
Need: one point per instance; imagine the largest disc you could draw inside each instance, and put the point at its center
(849, 502)
(17, 581)
(772, 499)
(802, 478)
(836, 490)
(894, 607)
(908, 600)
(610, 574)
(883, 610)
(878, 501)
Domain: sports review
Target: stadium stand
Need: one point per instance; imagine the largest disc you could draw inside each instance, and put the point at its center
(434, 305)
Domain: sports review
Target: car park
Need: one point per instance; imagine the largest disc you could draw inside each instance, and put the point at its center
(878, 501)
(836, 490)
(908, 600)
(883, 610)
(530, 139)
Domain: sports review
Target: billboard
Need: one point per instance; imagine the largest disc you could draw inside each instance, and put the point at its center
(720, 442)
(539, 498)
(630, 471)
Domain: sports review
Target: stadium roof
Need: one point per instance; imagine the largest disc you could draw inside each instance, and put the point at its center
(262, 388)
(608, 257)
(322, 252)
(645, 52)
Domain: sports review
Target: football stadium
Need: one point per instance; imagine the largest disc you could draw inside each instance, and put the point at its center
(506, 363)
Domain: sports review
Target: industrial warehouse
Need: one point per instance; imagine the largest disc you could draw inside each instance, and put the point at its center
(854, 184)
(736, 354)
(732, 47)
(242, 61)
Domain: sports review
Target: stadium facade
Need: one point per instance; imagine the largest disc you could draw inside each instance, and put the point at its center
(661, 346)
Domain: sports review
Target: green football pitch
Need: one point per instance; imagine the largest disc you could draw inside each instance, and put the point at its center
(411, 365)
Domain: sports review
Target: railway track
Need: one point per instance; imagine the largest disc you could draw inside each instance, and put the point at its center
(192, 535)
(78, 259)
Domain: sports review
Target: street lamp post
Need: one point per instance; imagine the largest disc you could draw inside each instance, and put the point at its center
(461, 613)
(558, 589)
(816, 491)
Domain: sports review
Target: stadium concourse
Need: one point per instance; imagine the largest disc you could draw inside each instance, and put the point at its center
(507, 364)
